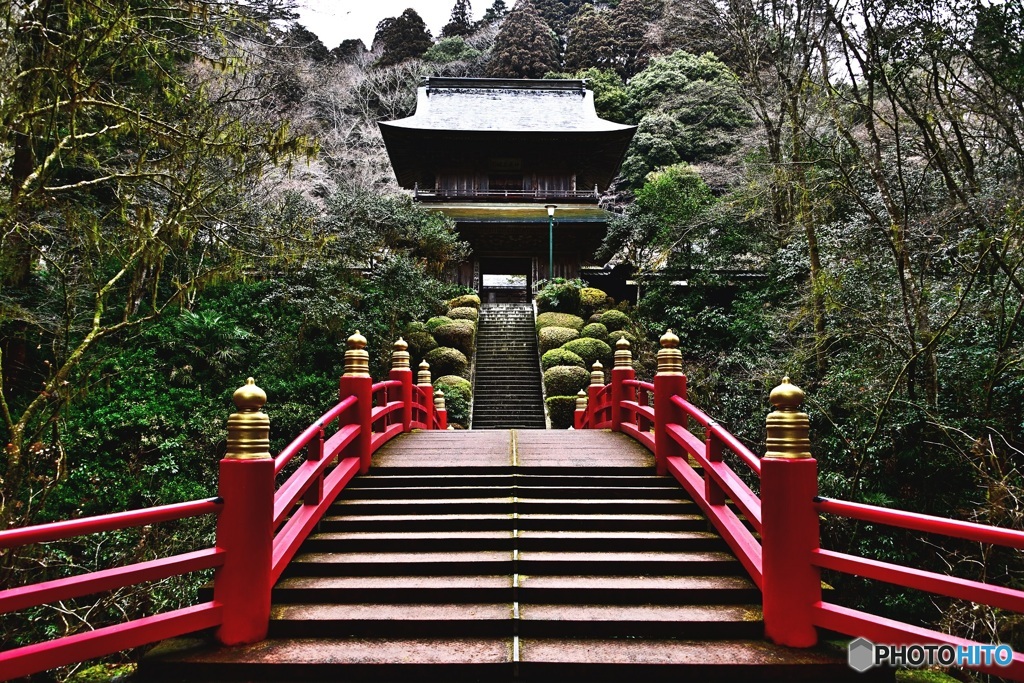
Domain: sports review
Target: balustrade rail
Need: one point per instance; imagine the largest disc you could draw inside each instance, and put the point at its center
(775, 535)
(260, 525)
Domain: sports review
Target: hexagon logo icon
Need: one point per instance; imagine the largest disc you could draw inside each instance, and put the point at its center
(861, 655)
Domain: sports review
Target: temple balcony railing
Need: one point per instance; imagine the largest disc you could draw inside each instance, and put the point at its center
(537, 195)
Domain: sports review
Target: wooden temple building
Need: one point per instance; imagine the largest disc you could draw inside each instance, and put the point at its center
(495, 155)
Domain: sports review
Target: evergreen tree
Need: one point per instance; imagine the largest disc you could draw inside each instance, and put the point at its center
(305, 41)
(495, 13)
(590, 41)
(558, 13)
(461, 23)
(349, 50)
(401, 38)
(631, 22)
(525, 47)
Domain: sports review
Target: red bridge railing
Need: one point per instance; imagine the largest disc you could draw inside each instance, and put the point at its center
(260, 524)
(777, 538)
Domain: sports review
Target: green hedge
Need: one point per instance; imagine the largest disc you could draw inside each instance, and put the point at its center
(561, 410)
(447, 361)
(553, 337)
(559, 294)
(437, 321)
(458, 334)
(419, 344)
(614, 320)
(466, 300)
(595, 331)
(458, 394)
(556, 357)
(618, 334)
(590, 350)
(559, 320)
(565, 380)
(592, 299)
(464, 313)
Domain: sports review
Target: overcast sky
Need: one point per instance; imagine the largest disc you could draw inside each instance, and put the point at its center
(335, 20)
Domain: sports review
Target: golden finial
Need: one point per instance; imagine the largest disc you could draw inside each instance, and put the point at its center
(789, 430)
(581, 400)
(670, 358)
(249, 427)
(597, 374)
(623, 357)
(400, 355)
(439, 400)
(423, 376)
(357, 360)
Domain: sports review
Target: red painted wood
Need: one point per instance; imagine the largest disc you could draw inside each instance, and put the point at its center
(23, 597)
(379, 412)
(917, 522)
(690, 443)
(594, 392)
(665, 412)
(403, 394)
(789, 534)
(245, 532)
(55, 531)
(289, 452)
(340, 440)
(919, 579)
(381, 438)
(621, 392)
(442, 418)
(881, 630)
(714, 489)
(103, 641)
(736, 535)
(315, 454)
(425, 399)
(362, 446)
(298, 526)
(723, 476)
(735, 445)
(636, 412)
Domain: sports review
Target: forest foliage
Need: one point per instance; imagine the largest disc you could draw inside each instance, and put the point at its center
(197, 192)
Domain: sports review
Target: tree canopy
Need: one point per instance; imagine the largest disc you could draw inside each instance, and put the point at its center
(401, 38)
(525, 46)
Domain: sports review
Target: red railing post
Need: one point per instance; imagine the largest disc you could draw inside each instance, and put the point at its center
(593, 393)
(670, 381)
(357, 382)
(789, 534)
(401, 372)
(442, 412)
(245, 527)
(314, 453)
(621, 371)
(426, 394)
(581, 410)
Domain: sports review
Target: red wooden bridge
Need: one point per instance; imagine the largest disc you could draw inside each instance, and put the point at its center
(378, 544)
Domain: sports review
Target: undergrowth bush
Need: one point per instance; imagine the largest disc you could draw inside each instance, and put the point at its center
(553, 337)
(556, 357)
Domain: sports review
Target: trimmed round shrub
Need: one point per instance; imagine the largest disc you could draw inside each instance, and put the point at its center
(559, 320)
(616, 335)
(464, 313)
(595, 331)
(465, 301)
(614, 320)
(553, 337)
(560, 295)
(556, 357)
(416, 326)
(446, 361)
(420, 343)
(590, 350)
(596, 318)
(565, 380)
(437, 321)
(592, 298)
(561, 410)
(458, 394)
(458, 334)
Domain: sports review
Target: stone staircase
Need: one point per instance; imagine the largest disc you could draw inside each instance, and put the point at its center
(509, 572)
(507, 388)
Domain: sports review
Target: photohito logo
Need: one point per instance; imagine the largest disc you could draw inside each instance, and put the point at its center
(863, 654)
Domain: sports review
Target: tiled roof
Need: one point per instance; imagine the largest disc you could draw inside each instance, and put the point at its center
(523, 105)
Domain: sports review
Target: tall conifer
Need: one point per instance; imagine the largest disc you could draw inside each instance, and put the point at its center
(590, 41)
(461, 23)
(525, 47)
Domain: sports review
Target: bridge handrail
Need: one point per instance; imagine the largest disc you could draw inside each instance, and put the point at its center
(786, 562)
(259, 525)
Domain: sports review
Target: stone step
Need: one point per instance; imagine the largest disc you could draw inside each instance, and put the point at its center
(453, 563)
(452, 589)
